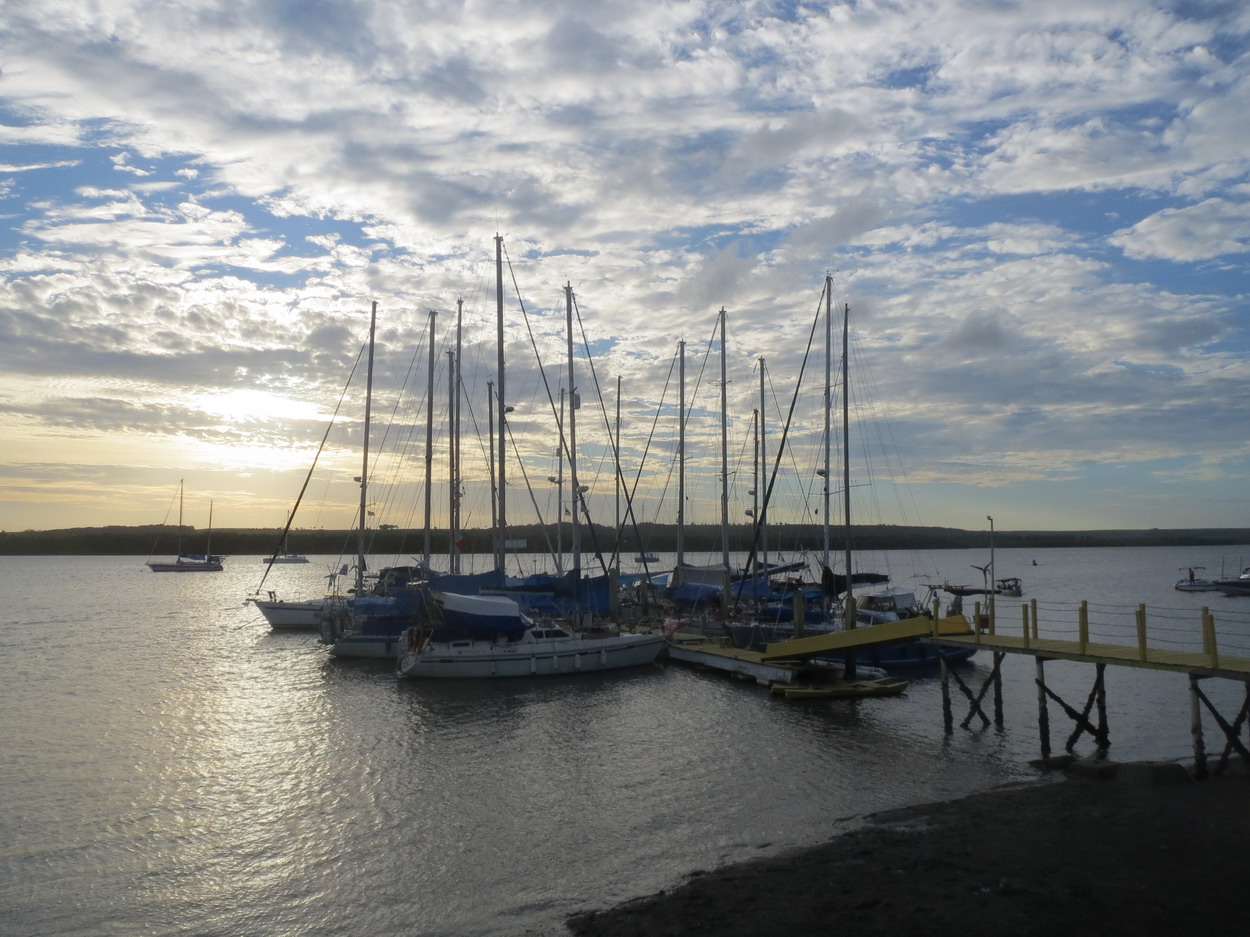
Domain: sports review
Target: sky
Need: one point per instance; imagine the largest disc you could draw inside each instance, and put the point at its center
(1037, 214)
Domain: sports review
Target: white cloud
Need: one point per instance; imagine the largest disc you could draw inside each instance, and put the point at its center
(954, 162)
(1213, 228)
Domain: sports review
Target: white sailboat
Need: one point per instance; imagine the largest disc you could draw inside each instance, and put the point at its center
(309, 613)
(477, 636)
(284, 554)
(206, 562)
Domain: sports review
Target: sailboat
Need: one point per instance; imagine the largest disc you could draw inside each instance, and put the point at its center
(883, 604)
(205, 562)
(284, 554)
(308, 613)
(475, 636)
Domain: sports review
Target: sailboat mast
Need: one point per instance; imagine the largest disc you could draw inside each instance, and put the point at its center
(616, 550)
(364, 465)
(490, 450)
(208, 544)
(824, 549)
(681, 453)
(180, 484)
(724, 445)
(760, 519)
(454, 547)
(846, 460)
(575, 545)
(429, 442)
(501, 528)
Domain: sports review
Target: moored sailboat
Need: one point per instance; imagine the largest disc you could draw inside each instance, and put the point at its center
(206, 562)
(485, 636)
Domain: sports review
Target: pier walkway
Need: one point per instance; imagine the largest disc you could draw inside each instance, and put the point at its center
(1202, 658)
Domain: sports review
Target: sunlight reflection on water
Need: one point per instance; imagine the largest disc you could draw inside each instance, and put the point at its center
(174, 767)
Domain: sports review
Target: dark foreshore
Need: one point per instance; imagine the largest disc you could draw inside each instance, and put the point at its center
(1145, 852)
(596, 539)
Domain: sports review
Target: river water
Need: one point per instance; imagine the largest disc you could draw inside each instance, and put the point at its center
(171, 766)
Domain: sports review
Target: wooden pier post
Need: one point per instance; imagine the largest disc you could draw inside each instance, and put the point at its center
(1043, 716)
(1195, 728)
(1033, 615)
(1208, 636)
(948, 719)
(1141, 630)
(998, 687)
(1083, 625)
(1024, 612)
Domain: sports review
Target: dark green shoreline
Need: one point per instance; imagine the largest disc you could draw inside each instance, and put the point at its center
(656, 538)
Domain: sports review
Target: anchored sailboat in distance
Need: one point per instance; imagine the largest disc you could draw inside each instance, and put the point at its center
(205, 562)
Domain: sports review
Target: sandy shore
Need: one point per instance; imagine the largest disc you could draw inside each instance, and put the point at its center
(1144, 851)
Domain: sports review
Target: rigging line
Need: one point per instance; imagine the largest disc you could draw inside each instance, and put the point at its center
(533, 341)
(542, 525)
(391, 485)
(651, 435)
(307, 478)
(763, 518)
(616, 452)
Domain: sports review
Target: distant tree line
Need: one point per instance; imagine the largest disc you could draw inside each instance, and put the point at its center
(653, 538)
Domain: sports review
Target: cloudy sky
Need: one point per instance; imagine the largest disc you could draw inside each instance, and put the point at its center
(1037, 213)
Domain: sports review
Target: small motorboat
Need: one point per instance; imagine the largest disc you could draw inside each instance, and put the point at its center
(1192, 582)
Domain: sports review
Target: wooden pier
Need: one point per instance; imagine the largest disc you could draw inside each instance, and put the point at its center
(1208, 663)
(1091, 718)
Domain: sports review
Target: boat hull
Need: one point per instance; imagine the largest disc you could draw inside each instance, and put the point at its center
(482, 659)
(294, 615)
(176, 567)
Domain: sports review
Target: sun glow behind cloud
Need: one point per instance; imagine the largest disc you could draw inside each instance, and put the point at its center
(1036, 212)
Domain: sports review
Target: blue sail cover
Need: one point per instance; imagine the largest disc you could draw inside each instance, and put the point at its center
(468, 583)
(479, 618)
(545, 594)
(695, 595)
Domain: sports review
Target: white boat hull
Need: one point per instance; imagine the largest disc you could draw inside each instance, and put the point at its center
(477, 659)
(282, 614)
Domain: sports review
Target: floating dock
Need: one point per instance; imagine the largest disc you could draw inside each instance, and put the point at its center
(720, 654)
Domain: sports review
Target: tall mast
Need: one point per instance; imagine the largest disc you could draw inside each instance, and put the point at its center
(616, 550)
(764, 463)
(846, 461)
(681, 452)
(364, 464)
(490, 449)
(558, 480)
(724, 445)
(180, 484)
(429, 442)
(456, 481)
(575, 491)
(501, 527)
(828, 415)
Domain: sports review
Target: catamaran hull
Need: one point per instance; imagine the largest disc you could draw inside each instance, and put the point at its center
(185, 567)
(478, 659)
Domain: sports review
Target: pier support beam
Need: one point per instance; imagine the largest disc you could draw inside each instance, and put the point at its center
(1232, 732)
(995, 680)
(1097, 697)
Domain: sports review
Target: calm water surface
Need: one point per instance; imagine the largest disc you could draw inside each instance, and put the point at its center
(171, 766)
